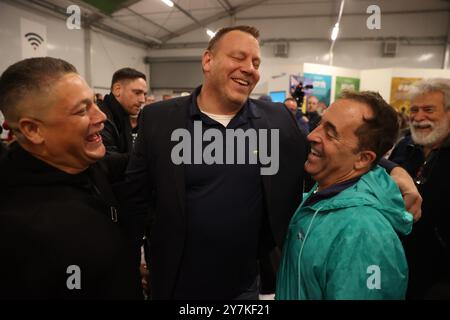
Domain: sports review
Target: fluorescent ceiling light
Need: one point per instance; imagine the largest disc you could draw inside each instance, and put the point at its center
(425, 57)
(210, 33)
(334, 33)
(168, 2)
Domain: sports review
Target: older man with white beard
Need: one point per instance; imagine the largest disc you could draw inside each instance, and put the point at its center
(426, 156)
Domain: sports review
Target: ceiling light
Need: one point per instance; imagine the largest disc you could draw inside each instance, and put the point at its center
(425, 57)
(168, 2)
(210, 33)
(334, 33)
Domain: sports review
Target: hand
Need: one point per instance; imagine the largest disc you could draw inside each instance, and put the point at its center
(411, 196)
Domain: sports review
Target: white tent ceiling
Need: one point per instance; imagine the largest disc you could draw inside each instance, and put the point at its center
(153, 23)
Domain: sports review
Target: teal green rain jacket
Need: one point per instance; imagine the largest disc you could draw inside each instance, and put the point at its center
(346, 247)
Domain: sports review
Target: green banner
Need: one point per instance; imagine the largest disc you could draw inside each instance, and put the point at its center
(344, 83)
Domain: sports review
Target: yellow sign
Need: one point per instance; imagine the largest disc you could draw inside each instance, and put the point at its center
(400, 88)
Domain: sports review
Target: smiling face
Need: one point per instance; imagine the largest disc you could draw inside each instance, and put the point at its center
(430, 122)
(67, 132)
(231, 68)
(334, 157)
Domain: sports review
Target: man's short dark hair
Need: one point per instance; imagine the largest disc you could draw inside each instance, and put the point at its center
(126, 74)
(28, 77)
(378, 133)
(219, 34)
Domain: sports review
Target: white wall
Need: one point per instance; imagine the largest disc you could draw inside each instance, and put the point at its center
(108, 53)
(61, 42)
(377, 80)
(380, 79)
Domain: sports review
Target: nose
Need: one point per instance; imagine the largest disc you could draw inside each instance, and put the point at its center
(418, 116)
(247, 67)
(97, 116)
(141, 98)
(314, 136)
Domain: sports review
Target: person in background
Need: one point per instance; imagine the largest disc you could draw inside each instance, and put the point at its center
(98, 98)
(128, 90)
(150, 99)
(312, 104)
(425, 154)
(321, 107)
(302, 121)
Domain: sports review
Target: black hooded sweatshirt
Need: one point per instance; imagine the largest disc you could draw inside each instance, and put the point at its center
(58, 235)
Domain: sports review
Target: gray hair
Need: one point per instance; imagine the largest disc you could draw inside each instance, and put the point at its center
(432, 85)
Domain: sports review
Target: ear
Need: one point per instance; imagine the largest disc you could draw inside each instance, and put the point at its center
(365, 160)
(31, 129)
(116, 89)
(207, 61)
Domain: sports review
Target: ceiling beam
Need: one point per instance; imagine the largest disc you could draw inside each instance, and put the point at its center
(151, 21)
(226, 5)
(437, 40)
(96, 18)
(302, 16)
(187, 14)
(213, 19)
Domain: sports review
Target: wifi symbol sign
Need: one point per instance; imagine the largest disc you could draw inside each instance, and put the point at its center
(34, 39)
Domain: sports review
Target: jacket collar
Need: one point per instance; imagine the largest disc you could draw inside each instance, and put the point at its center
(117, 110)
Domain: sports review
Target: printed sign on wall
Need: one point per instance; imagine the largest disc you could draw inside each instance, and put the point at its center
(34, 39)
(400, 88)
(322, 86)
(345, 83)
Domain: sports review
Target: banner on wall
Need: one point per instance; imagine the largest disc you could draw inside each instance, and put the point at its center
(400, 88)
(345, 83)
(34, 39)
(321, 84)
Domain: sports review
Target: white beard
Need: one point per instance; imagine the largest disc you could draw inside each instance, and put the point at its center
(439, 131)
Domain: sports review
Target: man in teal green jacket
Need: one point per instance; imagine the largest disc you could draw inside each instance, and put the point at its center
(342, 242)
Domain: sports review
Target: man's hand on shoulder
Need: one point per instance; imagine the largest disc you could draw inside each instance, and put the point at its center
(411, 196)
